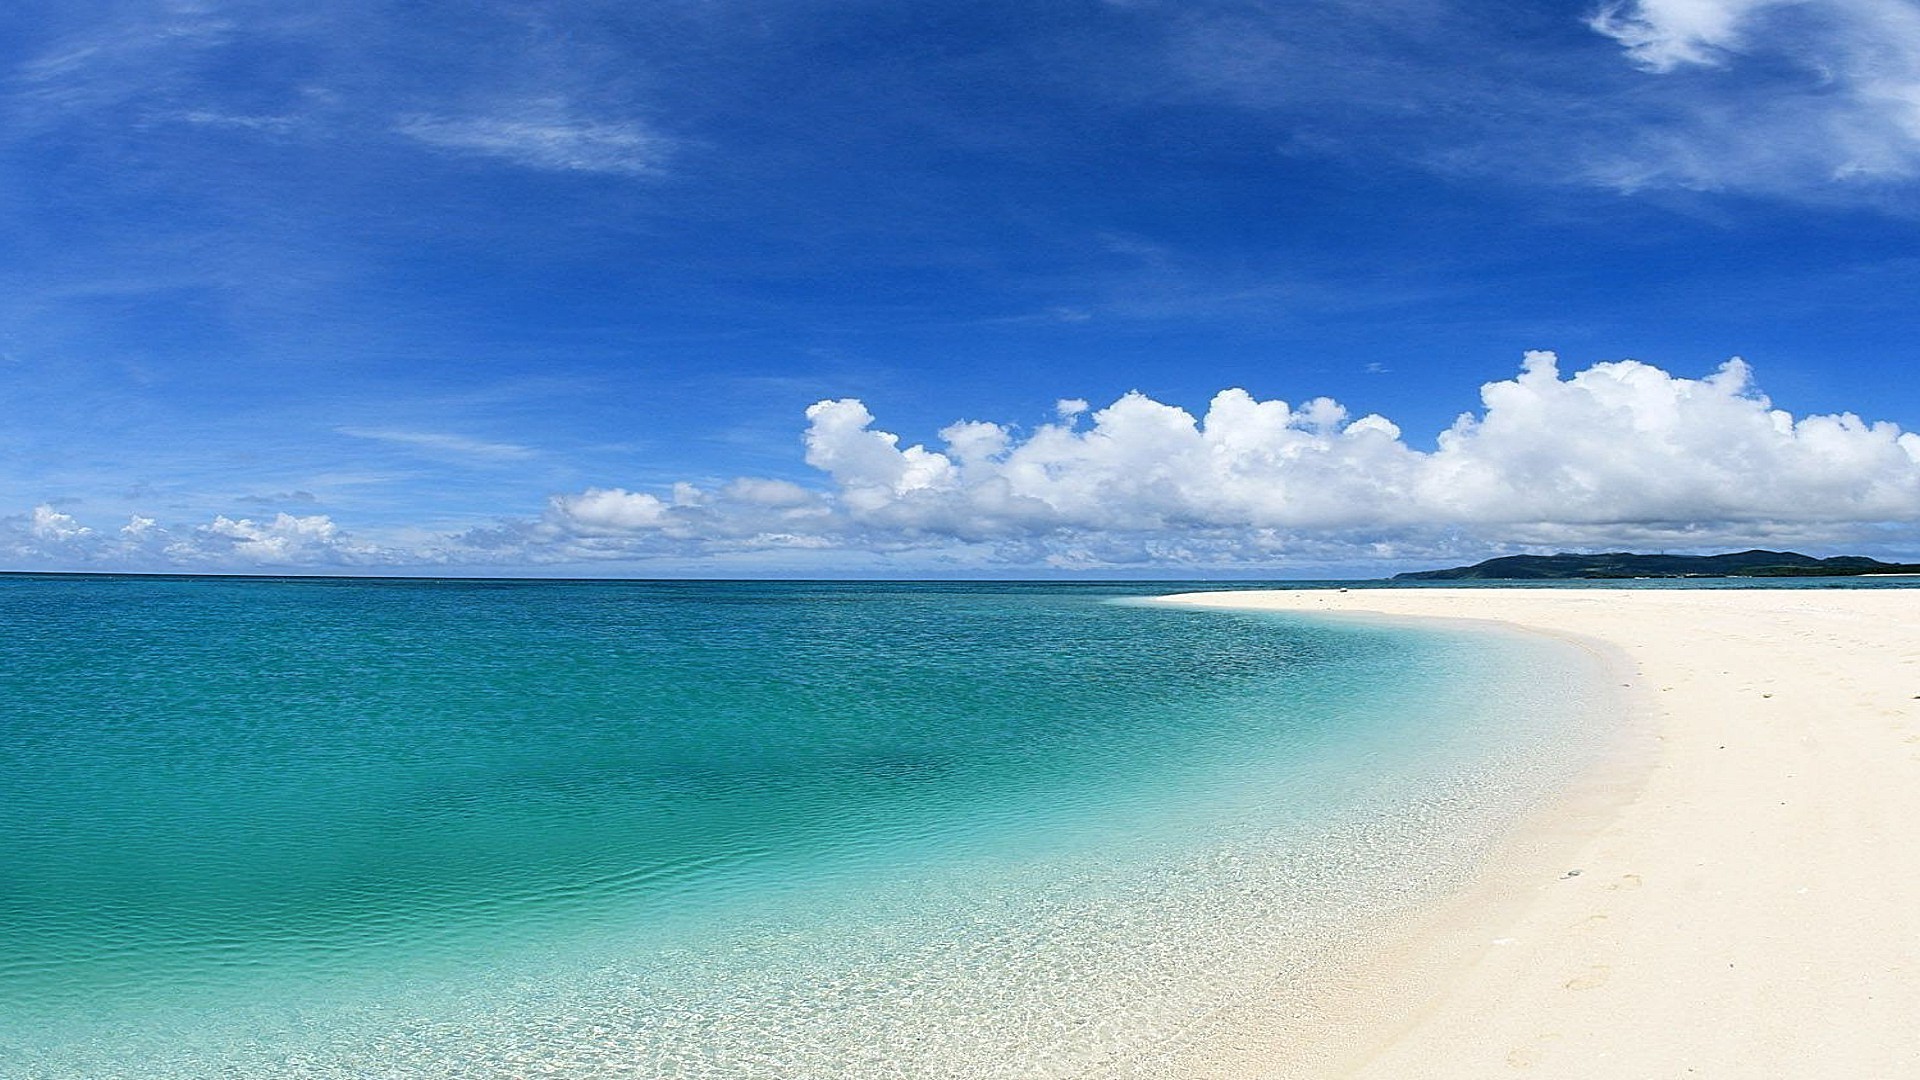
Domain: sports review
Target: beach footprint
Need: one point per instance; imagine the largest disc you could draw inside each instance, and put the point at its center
(1597, 975)
(1526, 1057)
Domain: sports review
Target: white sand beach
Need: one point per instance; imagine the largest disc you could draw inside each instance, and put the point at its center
(1743, 902)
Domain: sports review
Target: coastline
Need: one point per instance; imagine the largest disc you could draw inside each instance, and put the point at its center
(1746, 902)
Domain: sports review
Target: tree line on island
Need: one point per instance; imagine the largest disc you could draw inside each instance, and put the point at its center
(1622, 564)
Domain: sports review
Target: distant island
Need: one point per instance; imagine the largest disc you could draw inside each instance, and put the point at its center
(1621, 564)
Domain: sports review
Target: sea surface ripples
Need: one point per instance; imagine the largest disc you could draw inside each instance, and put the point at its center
(397, 829)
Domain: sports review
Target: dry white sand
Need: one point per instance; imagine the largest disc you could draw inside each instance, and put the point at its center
(1747, 902)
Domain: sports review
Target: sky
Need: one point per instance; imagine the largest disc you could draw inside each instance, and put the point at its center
(1106, 288)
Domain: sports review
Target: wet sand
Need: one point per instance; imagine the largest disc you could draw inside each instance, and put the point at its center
(1742, 901)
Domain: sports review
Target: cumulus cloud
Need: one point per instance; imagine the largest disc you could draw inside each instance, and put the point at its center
(611, 510)
(284, 540)
(1619, 443)
(1619, 454)
(758, 491)
(47, 538)
(1618, 451)
(50, 524)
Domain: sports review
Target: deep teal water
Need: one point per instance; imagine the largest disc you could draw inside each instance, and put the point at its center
(411, 828)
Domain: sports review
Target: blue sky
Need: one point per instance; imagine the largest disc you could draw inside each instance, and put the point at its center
(551, 288)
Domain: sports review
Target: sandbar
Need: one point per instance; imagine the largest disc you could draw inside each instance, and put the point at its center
(1743, 902)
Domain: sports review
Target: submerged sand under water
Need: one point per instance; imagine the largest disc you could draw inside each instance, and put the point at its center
(1129, 875)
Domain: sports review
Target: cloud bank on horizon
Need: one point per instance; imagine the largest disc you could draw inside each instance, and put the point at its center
(1618, 454)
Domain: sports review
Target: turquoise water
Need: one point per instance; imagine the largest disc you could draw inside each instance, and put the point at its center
(312, 828)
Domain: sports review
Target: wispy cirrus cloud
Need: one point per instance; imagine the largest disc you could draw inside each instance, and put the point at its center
(273, 125)
(280, 498)
(164, 63)
(148, 56)
(545, 135)
(1664, 34)
(1815, 99)
(1772, 95)
(441, 444)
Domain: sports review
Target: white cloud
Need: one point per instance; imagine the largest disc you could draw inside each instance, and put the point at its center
(284, 540)
(1619, 454)
(274, 125)
(868, 466)
(142, 54)
(784, 494)
(1617, 444)
(1815, 100)
(55, 540)
(546, 134)
(442, 444)
(611, 510)
(1786, 96)
(50, 524)
(1664, 34)
(505, 89)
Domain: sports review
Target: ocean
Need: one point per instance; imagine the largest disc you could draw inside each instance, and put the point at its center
(418, 828)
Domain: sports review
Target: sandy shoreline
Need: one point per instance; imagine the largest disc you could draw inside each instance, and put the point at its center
(1747, 904)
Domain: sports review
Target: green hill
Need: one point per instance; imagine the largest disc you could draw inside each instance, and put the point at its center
(1621, 564)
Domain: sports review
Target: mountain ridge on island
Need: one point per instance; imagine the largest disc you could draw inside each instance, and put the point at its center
(1623, 564)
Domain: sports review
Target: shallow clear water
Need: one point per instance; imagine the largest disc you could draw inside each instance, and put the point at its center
(475, 829)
